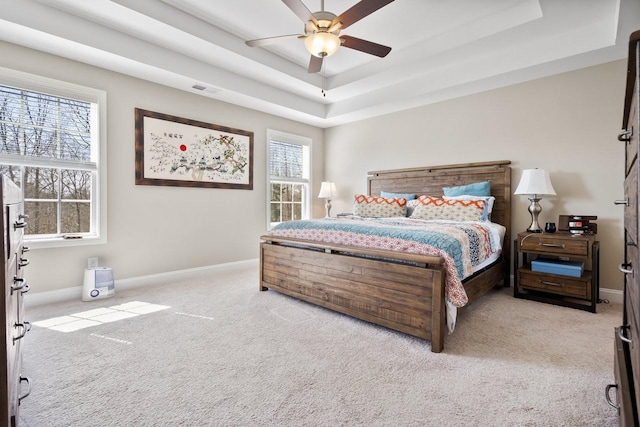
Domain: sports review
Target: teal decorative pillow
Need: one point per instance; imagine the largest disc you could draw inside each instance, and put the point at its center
(431, 208)
(476, 189)
(388, 195)
(378, 207)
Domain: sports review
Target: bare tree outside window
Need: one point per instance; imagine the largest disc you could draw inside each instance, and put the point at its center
(288, 182)
(45, 148)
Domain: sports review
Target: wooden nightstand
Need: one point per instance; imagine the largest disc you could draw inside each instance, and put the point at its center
(576, 292)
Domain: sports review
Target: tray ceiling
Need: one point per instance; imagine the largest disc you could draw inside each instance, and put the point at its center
(441, 50)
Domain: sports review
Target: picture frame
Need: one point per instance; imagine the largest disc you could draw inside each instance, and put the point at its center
(175, 151)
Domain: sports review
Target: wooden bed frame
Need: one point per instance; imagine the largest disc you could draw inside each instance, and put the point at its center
(367, 283)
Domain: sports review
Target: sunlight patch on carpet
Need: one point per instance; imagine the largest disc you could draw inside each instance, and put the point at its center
(99, 316)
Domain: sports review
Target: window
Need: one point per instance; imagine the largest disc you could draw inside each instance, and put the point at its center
(50, 147)
(289, 170)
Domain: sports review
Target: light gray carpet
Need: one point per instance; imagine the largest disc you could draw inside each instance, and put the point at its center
(226, 354)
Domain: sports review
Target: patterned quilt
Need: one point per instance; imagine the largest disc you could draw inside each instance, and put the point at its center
(463, 245)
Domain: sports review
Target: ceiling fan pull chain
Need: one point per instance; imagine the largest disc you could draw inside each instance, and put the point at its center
(324, 77)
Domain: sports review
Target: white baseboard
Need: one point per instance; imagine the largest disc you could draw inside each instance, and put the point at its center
(75, 292)
(614, 296)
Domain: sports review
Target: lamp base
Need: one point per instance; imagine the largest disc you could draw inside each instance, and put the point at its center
(534, 210)
(327, 208)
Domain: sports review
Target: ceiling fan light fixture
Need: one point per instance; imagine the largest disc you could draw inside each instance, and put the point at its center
(322, 30)
(322, 44)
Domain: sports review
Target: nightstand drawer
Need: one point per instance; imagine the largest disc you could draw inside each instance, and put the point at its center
(556, 244)
(555, 284)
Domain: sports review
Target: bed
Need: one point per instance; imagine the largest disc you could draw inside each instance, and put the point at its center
(398, 290)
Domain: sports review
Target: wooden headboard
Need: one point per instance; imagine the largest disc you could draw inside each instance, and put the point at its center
(430, 180)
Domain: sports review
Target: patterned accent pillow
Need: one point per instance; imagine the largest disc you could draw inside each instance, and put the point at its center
(488, 208)
(453, 210)
(378, 207)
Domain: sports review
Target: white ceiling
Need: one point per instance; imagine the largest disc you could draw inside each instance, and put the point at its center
(441, 49)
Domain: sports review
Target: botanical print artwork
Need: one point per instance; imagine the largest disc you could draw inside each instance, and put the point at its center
(181, 152)
(190, 153)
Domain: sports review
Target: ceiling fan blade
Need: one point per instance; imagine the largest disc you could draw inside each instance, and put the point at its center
(315, 64)
(359, 11)
(301, 11)
(270, 40)
(365, 46)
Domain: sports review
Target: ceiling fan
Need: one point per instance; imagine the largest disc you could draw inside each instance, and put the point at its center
(322, 28)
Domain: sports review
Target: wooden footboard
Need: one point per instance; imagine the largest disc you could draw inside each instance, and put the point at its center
(407, 298)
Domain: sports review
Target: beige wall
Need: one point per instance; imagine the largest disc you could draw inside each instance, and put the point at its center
(160, 229)
(566, 123)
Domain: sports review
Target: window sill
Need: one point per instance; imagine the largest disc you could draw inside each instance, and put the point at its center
(59, 242)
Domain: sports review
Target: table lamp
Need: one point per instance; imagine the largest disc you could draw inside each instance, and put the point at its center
(535, 183)
(327, 192)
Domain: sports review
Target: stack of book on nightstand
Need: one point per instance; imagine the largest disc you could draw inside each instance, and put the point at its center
(557, 266)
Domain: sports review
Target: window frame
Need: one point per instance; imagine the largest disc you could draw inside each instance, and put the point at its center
(98, 100)
(288, 138)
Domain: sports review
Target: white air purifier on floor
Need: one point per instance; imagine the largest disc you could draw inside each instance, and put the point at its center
(98, 283)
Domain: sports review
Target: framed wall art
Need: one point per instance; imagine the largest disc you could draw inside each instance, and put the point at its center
(175, 151)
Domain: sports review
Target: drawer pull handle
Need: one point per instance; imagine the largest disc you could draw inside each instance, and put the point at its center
(621, 334)
(17, 225)
(22, 285)
(24, 396)
(26, 289)
(625, 268)
(23, 262)
(607, 396)
(25, 328)
(625, 135)
(544, 282)
(25, 249)
(621, 202)
(552, 245)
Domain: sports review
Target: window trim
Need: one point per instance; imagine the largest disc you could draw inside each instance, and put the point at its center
(291, 139)
(98, 99)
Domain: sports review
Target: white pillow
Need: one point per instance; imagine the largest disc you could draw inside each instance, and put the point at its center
(411, 204)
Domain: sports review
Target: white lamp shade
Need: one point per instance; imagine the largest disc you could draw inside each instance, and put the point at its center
(322, 44)
(328, 191)
(535, 181)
